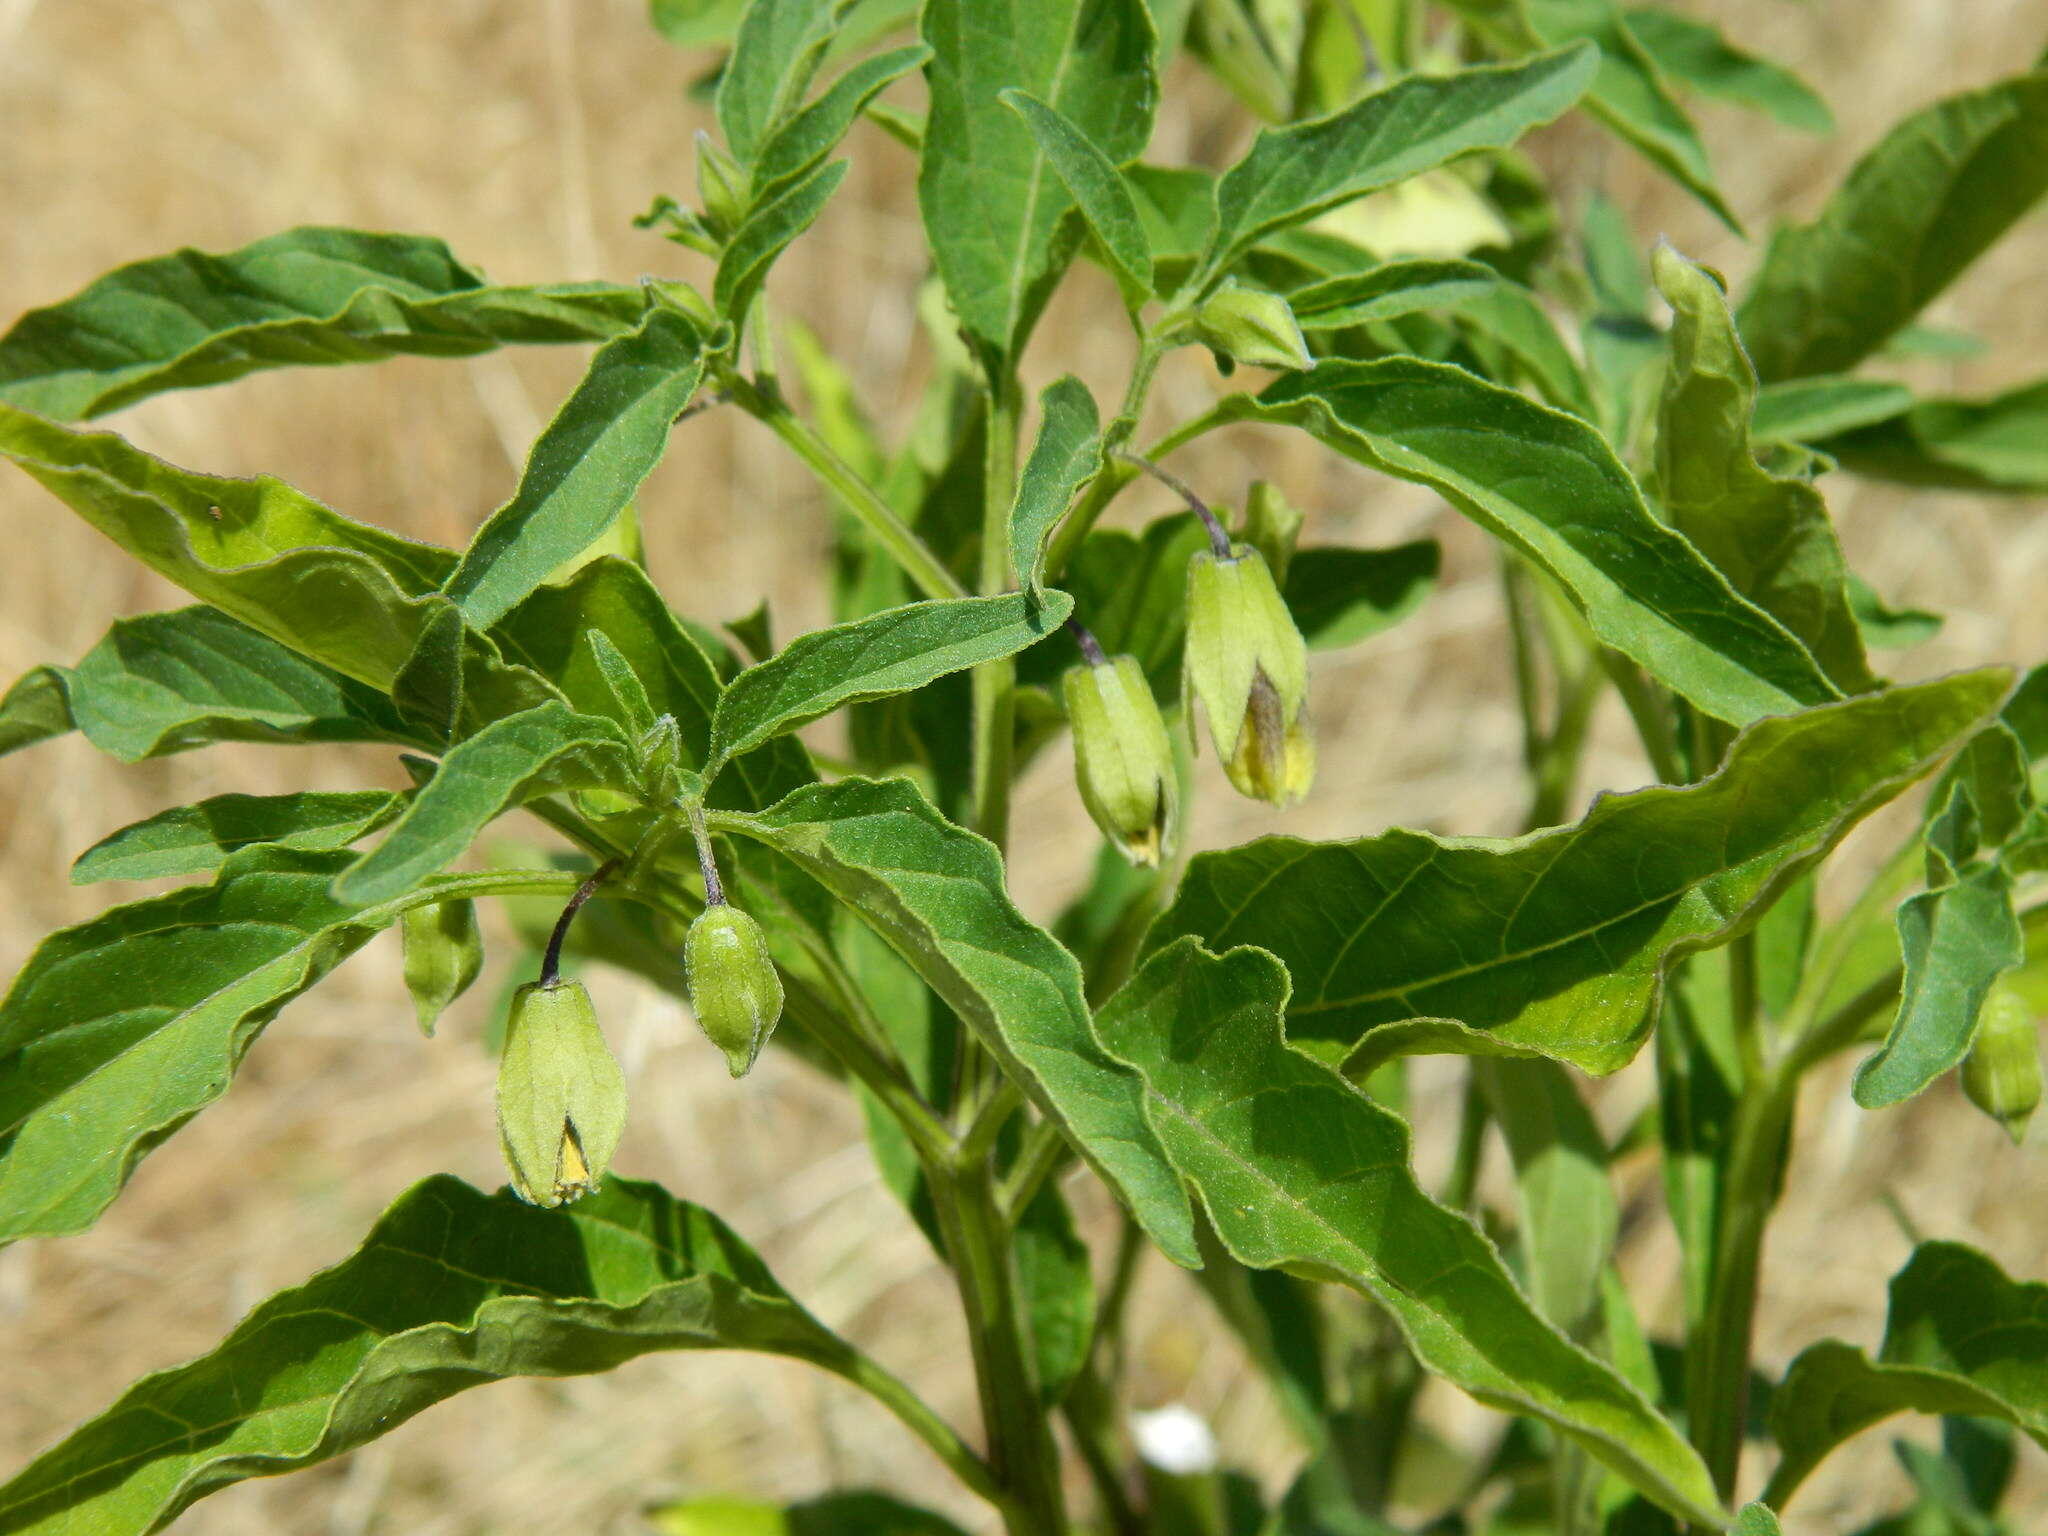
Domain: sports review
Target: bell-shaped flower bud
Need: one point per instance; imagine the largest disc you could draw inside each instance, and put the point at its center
(561, 1095)
(1248, 666)
(2002, 1073)
(734, 990)
(721, 187)
(1250, 325)
(1123, 759)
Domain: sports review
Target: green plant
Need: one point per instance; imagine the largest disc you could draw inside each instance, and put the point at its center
(1218, 1037)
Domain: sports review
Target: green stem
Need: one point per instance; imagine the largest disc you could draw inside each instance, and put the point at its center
(1021, 1452)
(995, 682)
(917, 1416)
(1115, 473)
(1717, 1358)
(1045, 1153)
(1463, 1182)
(854, 493)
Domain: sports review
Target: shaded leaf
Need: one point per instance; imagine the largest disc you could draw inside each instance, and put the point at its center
(832, 1514)
(1695, 54)
(1291, 174)
(1505, 311)
(991, 200)
(1628, 93)
(1805, 410)
(936, 893)
(1994, 444)
(766, 234)
(1340, 596)
(1098, 190)
(616, 598)
(536, 752)
(1886, 627)
(169, 682)
(35, 709)
(1769, 535)
(584, 469)
(1058, 1291)
(120, 1029)
(308, 296)
(1556, 944)
(1063, 458)
(1550, 487)
(343, 593)
(1960, 1338)
(191, 838)
(1922, 205)
(1299, 1169)
(452, 1289)
(1568, 1211)
(889, 652)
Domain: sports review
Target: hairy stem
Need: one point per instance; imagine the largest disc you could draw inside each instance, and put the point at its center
(854, 493)
(1021, 1452)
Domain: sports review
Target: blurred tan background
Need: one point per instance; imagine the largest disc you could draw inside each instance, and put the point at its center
(528, 134)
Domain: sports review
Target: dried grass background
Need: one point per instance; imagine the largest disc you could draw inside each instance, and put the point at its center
(528, 134)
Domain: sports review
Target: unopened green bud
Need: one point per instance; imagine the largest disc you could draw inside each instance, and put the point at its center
(1247, 664)
(561, 1095)
(443, 953)
(1123, 759)
(2002, 1073)
(721, 187)
(1249, 325)
(734, 989)
(1272, 524)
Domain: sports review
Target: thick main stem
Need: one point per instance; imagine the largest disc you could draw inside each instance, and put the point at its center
(1021, 1452)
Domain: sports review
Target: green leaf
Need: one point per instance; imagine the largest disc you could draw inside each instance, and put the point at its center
(1276, 1317)
(831, 1514)
(1806, 410)
(813, 133)
(343, 593)
(452, 1289)
(35, 709)
(1997, 444)
(537, 752)
(1569, 1215)
(1291, 174)
(188, 839)
(1757, 1520)
(937, 894)
(1960, 1338)
(169, 682)
(1505, 311)
(1556, 944)
(1300, 1170)
(1769, 535)
(585, 468)
(1177, 208)
(696, 23)
(1695, 54)
(308, 296)
(1628, 93)
(1956, 941)
(1131, 590)
(1063, 458)
(991, 199)
(1058, 1291)
(1340, 596)
(120, 1029)
(1548, 485)
(616, 598)
(1885, 627)
(1099, 191)
(766, 234)
(1928, 200)
(893, 651)
(774, 58)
